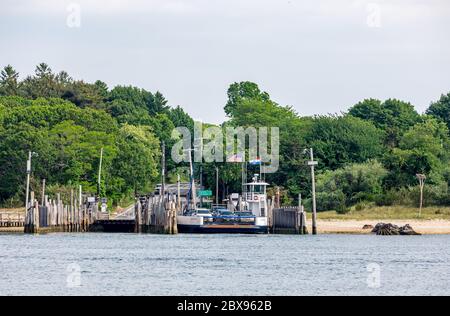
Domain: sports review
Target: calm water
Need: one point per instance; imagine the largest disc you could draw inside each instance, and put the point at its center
(222, 265)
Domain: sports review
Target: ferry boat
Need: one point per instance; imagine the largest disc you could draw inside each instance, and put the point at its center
(244, 214)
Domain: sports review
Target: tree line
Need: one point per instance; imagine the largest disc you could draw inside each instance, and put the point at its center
(370, 154)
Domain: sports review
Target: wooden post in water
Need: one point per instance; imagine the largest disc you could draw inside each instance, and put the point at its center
(43, 192)
(36, 212)
(58, 210)
(72, 211)
(303, 225)
(278, 204)
(175, 222)
(137, 210)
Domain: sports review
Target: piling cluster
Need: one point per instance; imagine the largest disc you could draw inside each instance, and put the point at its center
(157, 214)
(55, 216)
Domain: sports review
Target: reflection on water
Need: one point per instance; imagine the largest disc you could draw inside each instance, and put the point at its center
(121, 264)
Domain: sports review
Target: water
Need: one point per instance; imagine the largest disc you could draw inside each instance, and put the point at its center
(121, 264)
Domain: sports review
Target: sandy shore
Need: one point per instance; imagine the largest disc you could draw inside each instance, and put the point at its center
(430, 227)
(425, 227)
(11, 229)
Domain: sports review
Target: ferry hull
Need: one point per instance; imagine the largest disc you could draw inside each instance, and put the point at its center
(222, 229)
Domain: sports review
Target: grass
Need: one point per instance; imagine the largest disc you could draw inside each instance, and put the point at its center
(12, 210)
(389, 212)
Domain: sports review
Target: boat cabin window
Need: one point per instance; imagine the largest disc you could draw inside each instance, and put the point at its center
(257, 189)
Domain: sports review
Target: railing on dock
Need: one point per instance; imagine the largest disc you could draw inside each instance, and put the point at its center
(11, 219)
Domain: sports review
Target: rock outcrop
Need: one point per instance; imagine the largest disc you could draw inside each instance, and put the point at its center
(383, 229)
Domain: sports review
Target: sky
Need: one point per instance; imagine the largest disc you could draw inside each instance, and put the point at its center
(319, 57)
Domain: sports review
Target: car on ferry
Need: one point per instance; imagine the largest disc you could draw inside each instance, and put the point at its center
(202, 212)
(245, 217)
(225, 215)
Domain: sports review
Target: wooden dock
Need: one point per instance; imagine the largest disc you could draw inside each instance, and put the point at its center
(157, 214)
(54, 216)
(11, 219)
(151, 214)
(289, 220)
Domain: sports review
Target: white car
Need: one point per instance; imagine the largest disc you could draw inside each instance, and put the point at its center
(205, 213)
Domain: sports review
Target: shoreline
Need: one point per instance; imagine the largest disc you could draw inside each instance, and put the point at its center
(349, 226)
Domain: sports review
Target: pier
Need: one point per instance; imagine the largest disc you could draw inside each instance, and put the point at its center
(11, 220)
(152, 214)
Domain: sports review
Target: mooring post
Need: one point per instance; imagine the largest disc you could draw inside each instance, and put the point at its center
(43, 192)
(58, 210)
(72, 211)
(137, 209)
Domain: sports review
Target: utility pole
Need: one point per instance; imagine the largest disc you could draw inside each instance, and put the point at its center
(421, 178)
(163, 170)
(192, 179)
(27, 193)
(312, 164)
(201, 185)
(28, 181)
(100, 172)
(178, 192)
(217, 185)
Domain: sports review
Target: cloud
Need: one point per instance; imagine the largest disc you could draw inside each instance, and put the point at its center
(101, 7)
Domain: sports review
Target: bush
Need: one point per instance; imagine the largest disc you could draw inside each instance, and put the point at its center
(331, 201)
(342, 188)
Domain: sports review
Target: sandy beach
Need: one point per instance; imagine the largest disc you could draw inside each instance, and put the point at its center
(426, 227)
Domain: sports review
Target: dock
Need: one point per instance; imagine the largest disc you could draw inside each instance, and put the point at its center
(151, 214)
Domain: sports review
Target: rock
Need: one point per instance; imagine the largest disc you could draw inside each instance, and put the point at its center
(366, 227)
(383, 229)
(407, 230)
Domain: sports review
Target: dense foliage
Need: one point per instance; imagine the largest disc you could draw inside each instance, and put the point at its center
(369, 155)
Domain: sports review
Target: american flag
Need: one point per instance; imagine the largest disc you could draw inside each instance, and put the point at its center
(236, 158)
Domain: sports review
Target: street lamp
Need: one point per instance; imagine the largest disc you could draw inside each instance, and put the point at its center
(27, 193)
(312, 164)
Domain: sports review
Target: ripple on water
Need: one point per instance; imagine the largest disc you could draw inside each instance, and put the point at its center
(122, 264)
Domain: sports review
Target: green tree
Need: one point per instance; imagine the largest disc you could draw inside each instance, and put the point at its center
(138, 157)
(441, 109)
(42, 84)
(85, 95)
(423, 149)
(393, 116)
(9, 81)
(180, 118)
(338, 141)
(242, 91)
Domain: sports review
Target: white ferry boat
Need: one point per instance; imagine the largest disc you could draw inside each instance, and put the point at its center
(246, 214)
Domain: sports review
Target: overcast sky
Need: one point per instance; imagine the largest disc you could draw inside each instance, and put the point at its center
(318, 56)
